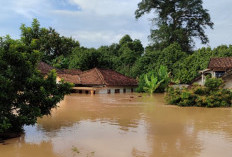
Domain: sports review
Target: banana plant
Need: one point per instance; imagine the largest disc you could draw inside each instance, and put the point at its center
(164, 75)
(152, 84)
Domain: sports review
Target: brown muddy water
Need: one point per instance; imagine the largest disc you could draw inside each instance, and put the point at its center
(125, 125)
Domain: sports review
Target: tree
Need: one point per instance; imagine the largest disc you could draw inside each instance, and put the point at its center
(176, 21)
(25, 94)
(85, 59)
(129, 51)
(152, 60)
(47, 41)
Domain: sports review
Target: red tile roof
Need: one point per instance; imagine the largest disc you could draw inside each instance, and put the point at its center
(91, 77)
(72, 71)
(68, 75)
(75, 79)
(106, 77)
(224, 63)
(44, 68)
(113, 78)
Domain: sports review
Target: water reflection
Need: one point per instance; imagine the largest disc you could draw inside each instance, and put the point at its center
(124, 125)
(121, 110)
(21, 148)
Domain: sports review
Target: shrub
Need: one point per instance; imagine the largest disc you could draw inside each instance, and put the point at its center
(173, 96)
(213, 83)
(212, 95)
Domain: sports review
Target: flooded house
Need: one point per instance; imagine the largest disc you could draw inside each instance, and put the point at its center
(93, 81)
(217, 68)
(105, 81)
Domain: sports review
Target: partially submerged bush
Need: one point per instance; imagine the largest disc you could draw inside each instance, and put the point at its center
(212, 95)
(213, 83)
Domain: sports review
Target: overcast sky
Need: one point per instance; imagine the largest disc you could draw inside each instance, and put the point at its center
(101, 22)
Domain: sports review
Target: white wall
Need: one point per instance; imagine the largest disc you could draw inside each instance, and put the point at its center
(112, 90)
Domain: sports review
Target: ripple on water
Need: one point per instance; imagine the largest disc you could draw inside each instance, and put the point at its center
(125, 125)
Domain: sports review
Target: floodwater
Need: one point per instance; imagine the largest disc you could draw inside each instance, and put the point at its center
(125, 125)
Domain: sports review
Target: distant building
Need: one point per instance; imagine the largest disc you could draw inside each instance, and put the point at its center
(217, 68)
(94, 81)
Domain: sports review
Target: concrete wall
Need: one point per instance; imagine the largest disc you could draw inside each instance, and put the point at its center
(199, 82)
(112, 90)
(180, 86)
(228, 82)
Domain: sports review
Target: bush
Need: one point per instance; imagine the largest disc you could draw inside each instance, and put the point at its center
(212, 95)
(173, 96)
(213, 83)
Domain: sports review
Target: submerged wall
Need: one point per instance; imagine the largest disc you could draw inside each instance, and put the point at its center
(113, 90)
(228, 82)
(103, 90)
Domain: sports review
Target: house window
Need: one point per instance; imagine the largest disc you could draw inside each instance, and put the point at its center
(124, 90)
(117, 90)
(132, 90)
(219, 73)
(108, 91)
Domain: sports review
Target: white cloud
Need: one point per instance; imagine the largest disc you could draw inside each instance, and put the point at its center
(100, 22)
(107, 7)
(26, 8)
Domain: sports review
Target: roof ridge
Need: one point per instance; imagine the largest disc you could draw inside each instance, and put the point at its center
(100, 75)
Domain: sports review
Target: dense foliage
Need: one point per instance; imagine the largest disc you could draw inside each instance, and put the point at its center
(47, 41)
(152, 84)
(119, 56)
(176, 21)
(128, 56)
(188, 68)
(25, 94)
(154, 81)
(211, 95)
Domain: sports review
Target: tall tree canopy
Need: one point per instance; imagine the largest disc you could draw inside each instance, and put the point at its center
(176, 21)
(47, 41)
(119, 56)
(25, 94)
